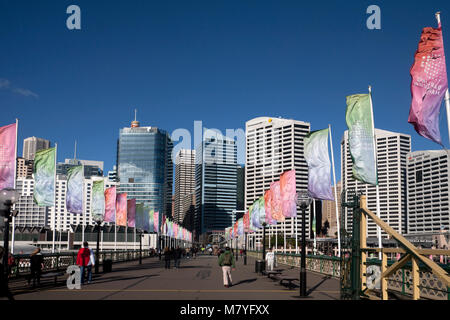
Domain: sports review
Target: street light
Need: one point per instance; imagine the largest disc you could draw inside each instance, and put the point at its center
(303, 201)
(8, 197)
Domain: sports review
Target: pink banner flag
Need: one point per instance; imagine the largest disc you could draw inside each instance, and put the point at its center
(7, 155)
(156, 222)
(288, 194)
(268, 208)
(131, 213)
(121, 209)
(276, 201)
(428, 84)
(110, 204)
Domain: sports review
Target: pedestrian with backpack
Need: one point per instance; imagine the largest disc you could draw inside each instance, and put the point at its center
(227, 262)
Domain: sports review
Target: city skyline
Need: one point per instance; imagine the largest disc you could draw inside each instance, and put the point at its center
(193, 84)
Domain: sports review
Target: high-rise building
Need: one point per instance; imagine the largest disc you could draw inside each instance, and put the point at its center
(215, 184)
(275, 145)
(31, 145)
(329, 211)
(184, 180)
(30, 214)
(91, 168)
(188, 207)
(240, 189)
(24, 168)
(145, 167)
(427, 184)
(392, 149)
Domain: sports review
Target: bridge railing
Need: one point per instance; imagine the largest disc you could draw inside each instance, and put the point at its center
(60, 261)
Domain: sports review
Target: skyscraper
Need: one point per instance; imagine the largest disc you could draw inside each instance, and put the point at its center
(392, 149)
(215, 183)
(31, 145)
(329, 211)
(145, 167)
(184, 180)
(428, 176)
(275, 145)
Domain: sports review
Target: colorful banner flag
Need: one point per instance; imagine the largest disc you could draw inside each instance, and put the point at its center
(8, 156)
(360, 138)
(74, 195)
(316, 156)
(156, 222)
(240, 227)
(428, 84)
(98, 200)
(44, 177)
(145, 218)
(121, 209)
(246, 220)
(151, 216)
(131, 212)
(276, 201)
(261, 211)
(288, 194)
(110, 204)
(140, 216)
(268, 208)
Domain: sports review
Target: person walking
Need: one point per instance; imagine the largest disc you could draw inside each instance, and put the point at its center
(270, 259)
(176, 257)
(4, 289)
(167, 254)
(83, 260)
(36, 264)
(227, 262)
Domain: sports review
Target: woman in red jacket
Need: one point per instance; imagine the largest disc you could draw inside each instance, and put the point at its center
(83, 258)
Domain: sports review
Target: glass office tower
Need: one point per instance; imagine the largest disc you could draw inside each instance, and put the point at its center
(144, 166)
(215, 184)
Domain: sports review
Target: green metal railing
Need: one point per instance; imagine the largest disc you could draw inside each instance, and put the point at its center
(55, 262)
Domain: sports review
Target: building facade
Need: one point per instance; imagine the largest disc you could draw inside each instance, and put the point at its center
(145, 167)
(329, 211)
(33, 144)
(184, 180)
(391, 149)
(30, 214)
(215, 184)
(427, 183)
(24, 168)
(275, 145)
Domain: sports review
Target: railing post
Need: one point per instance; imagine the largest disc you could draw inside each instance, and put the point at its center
(415, 279)
(384, 292)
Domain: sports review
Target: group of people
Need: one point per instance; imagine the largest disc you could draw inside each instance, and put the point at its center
(176, 254)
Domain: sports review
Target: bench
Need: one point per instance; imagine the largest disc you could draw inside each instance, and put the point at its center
(289, 281)
(272, 273)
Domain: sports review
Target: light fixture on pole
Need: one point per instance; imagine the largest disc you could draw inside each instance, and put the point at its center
(8, 197)
(99, 221)
(303, 201)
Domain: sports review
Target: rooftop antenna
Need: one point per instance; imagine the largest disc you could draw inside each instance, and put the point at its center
(75, 151)
(135, 123)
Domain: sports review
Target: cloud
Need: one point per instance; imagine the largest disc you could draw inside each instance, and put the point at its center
(6, 85)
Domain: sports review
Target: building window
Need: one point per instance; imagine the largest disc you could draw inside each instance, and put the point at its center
(418, 176)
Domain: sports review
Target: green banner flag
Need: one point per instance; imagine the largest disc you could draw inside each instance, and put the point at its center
(360, 138)
(98, 200)
(44, 177)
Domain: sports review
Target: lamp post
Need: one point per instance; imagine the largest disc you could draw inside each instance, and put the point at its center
(264, 245)
(140, 247)
(97, 253)
(245, 249)
(303, 201)
(8, 197)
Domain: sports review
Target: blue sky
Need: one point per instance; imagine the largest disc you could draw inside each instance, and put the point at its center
(222, 62)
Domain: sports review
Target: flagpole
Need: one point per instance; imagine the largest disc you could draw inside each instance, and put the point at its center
(380, 244)
(82, 203)
(54, 202)
(335, 193)
(314, 223)
(15, 186)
